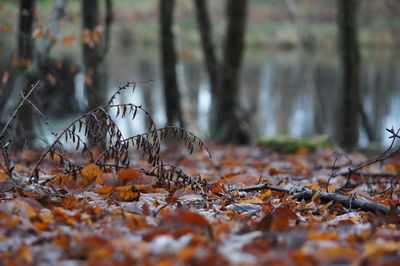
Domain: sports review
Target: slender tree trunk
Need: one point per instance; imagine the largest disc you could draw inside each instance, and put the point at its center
(26, 19)
(349, 107)
(93, 55)
(24, 125)
(203, 20)
(169, 61)
(229, 126)
(95, 48)
(33, 59)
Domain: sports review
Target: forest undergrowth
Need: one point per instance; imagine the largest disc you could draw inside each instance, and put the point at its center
(123, 200)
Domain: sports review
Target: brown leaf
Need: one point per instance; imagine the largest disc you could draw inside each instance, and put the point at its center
(285, 213)
(129, 174)
(265, 223)
(90, 173)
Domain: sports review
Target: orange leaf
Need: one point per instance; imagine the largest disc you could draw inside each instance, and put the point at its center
(46, 216)
(374, 250)
(68, 40)
(216, 188)
(40, 226)
(265, 195)
(90, 173)
(285, 213)
(105, 190)
(129, 174)
(88, 80)
(70, 202)
(127, 195)
(252, 201)
(61, 241)
(324, 236)
(95, 36)
(5, 29)
(1, 10)
(3, 176)
(25, 253)
(187, 253)
(179, 218)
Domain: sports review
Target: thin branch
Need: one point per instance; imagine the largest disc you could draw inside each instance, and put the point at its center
(14, 114)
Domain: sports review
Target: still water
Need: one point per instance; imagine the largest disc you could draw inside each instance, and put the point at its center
(282, 92)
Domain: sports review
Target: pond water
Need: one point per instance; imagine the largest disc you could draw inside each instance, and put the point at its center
(282, 92)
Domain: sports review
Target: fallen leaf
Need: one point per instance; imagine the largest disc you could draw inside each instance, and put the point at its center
(129, 174)
(90, 173)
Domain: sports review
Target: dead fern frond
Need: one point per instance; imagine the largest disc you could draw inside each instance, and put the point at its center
(99, 125)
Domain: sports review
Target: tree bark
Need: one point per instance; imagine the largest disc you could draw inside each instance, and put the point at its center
(168, 58)
(24, 125)
(95, 48)
(93, 55)
(229, 126)
(212, 66)
(349, 107)
(26, 18)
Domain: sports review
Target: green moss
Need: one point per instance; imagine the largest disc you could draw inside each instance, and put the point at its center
(286, 144)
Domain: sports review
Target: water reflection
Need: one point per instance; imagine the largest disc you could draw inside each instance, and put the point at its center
(284, 94)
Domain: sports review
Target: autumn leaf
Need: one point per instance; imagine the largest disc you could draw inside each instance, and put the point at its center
(95, 36)
(88, 80)
(252, 201)
(25, 254)
(374, 250)
(129, 174)
(3, 176)
(324, 236)
(90, 173)
(70, 202)
(68, 40)
(105, 190)
(125, 193)
(5, 29)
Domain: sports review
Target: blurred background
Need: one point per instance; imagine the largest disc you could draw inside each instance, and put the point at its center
(282, 67)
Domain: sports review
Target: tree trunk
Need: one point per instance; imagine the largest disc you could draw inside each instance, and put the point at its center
(95, 48)
(203, 20)
(26, 18)
(229, 126)
(349, 100)
(32, 60)
(168, 58)
(24, 131)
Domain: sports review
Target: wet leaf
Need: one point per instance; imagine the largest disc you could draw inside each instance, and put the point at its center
(91, 173)
(129, 174)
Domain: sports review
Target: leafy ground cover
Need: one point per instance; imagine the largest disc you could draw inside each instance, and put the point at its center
(125, 217)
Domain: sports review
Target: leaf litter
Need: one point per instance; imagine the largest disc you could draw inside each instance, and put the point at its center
(126, 217)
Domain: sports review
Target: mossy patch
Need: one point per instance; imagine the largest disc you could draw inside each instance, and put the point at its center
(286, 144)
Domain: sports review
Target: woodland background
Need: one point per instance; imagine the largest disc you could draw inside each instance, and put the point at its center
(237, 132)
(291, 75)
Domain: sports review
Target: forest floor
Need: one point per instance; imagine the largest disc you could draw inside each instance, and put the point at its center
(127, 217)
